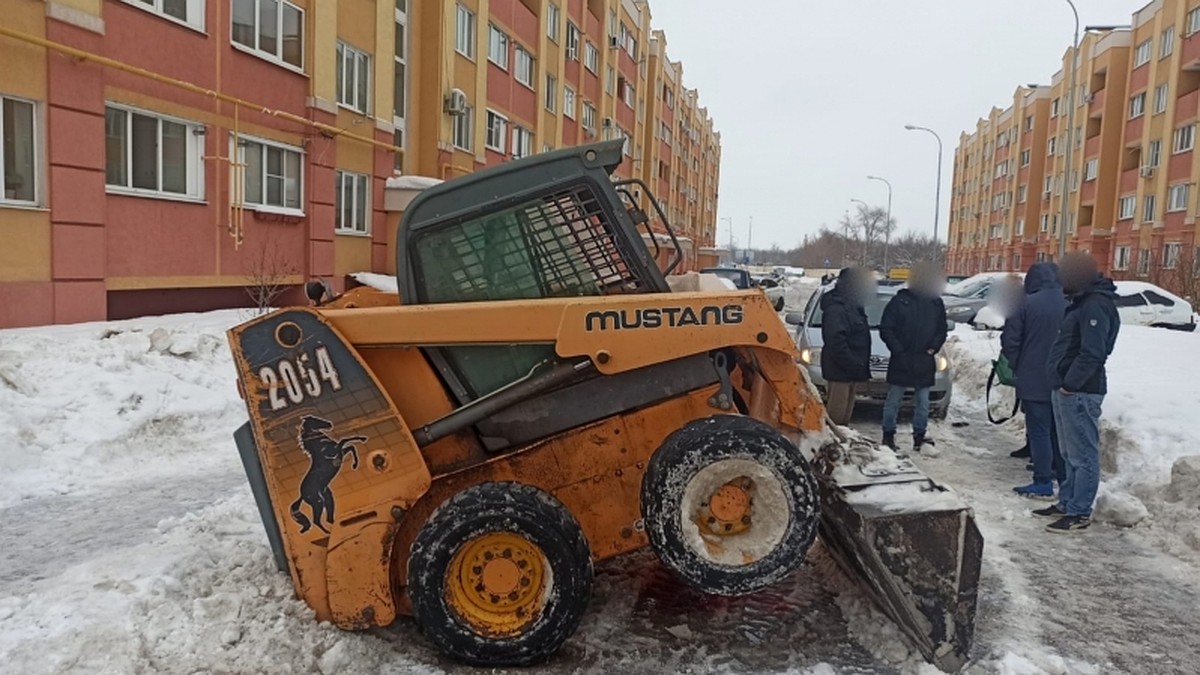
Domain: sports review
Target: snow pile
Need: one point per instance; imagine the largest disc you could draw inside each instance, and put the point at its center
(913, 497)
(412, 182)
(1149, 424)
(380, 282)
(92, 403)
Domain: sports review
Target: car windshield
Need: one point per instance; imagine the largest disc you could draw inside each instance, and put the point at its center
(969, 288)
(874, 308)
(733, 275)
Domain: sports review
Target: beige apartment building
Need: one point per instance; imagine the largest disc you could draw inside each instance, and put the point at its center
(1131, 190)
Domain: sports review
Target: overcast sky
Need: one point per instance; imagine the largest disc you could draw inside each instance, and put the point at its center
(811, 97)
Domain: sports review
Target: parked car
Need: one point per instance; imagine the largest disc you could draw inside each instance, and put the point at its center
(809, 341)
(744, 281)
(1143, 304)
(965, 298)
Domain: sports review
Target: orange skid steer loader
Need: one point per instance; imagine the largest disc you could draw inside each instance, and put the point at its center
(535, 399)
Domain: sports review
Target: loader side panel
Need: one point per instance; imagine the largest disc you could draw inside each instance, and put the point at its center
(335, 453)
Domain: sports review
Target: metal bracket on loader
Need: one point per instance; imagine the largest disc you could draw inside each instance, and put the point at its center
(910, 542)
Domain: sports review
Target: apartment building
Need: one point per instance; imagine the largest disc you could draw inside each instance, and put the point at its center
(162, 155)
(1130, 190)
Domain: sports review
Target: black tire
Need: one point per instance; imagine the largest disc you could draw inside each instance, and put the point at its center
(682, 471)
(512, 508)
(779, 304)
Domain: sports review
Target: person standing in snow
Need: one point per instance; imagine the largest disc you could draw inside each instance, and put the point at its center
(1025, 341)
(846, 341)
(914, 329)
(1079, 382)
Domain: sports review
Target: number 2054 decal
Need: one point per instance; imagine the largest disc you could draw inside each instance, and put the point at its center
(294, 381)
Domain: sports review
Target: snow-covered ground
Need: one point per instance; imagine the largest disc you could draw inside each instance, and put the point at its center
(131, 543)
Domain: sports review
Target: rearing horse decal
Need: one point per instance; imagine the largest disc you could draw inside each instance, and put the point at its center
(325, 461)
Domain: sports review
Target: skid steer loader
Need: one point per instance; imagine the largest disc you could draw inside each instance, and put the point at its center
(535, 399)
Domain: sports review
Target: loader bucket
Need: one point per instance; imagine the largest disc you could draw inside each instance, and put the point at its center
(912, 545)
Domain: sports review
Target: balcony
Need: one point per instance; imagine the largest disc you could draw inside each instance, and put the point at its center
(1134, 128)
(1096, 107)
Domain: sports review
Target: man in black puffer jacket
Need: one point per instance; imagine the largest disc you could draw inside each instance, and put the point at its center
(914, 329)
(846, 338)
(1078, 384)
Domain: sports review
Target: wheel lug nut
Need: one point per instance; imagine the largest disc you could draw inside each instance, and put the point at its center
(508, 553)
(522, 564)
(728, 527)
(478, 588)
(495, 599)
(711, 520)
(487, 555)
(513, 595)
(477, 570)
(524, 581)
(745, 520)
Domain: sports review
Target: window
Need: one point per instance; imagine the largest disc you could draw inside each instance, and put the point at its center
(352, 203)
(522, 142)
(1051, 145)
(464, 130)
(497, 131)
(18, 148)
(353, 77)
(1170, 262)
(589, 116)
(552, 21)
(1021, 193)
(1048, 185)
(1054, 108)
(1166, 43)
(1137, 105)
(272, 177)
(551, 93)
(400, 77)
(591, 58)
(1091, 169)
(1016, 261)
(1142, 270)
(610, 80)
(1020, 229)
(572, 42)
(1154, 153)
(464, 35)
(1177, 197)
(1127, 207)
(1029, 123)
(1155, 298)
(568, 102)
(627, 93)
(270, 28)
(1185, 138)
(148, 154)
(1193, 21)
(1025, 157)
(1149, 208)
(1142, 56)
(497, 46)
(523, 71)
(1045, 222)
(1161, 93)
(1121, 258)
(187, 12)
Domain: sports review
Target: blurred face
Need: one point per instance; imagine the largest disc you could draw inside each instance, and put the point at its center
(860, 287)
(1078, 271)
(927, 279)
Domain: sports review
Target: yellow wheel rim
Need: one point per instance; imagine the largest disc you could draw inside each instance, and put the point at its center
(497, 583)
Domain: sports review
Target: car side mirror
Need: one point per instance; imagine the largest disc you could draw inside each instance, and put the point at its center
(794, 319)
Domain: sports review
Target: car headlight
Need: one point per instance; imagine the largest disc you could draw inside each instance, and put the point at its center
(810, 356)
(943, 363)
(963, 309)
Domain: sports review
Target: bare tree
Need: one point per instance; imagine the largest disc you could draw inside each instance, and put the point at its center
(268, 273)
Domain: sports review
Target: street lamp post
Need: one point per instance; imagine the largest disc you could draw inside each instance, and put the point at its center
(938, 191)
(728, 219)
(887, 231)
(1065, 211)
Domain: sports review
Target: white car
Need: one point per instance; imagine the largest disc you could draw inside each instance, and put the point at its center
(742, 279)
(1143, 304)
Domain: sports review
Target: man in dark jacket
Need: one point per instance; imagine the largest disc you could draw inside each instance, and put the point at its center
(1025, 342)
(914, 329)
(1079, 382)
(846, 342)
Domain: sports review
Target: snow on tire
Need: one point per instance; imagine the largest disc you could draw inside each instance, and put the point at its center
(500, 575)
(730, 505)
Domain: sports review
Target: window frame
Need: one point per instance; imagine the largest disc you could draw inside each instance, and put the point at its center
(531, 66)
(502, 132)
(591, 57)
(1142, 52)
(1175, 205)
(193, 161)
(1188, 131)
(1127, 207)
(257, 51)
(339, 227)
(1149, 208)
(157, 10)
(521, 136)
(570, 102)
(1121, 262)
(1154, 153)
(345, 51)
(1166, 45)
(37, 142)
(1137, 105)
(550, 99)
(1162, 97)
(1192, 20)
(506, 43)
(589, 110)
(1169, 262)
(553, 21)
(400, 60)
(464, 123)
(472, 30)
(238, 147)
(1091, 169)
(573, 37)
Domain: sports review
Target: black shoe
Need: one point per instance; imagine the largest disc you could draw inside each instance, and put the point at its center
(889, 441)
(1068, 524)
(1029, 466)
(1022, 453)
(1052, 511)
(919, 440)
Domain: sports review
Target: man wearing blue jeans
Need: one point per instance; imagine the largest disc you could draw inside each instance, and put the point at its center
(1026, 341)
(1077, 375)
(913, 327)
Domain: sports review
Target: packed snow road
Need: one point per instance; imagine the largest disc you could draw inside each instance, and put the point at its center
(132, 545)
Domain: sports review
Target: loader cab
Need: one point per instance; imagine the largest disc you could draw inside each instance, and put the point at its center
(550, 226)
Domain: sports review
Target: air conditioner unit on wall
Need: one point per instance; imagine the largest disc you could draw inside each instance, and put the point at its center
(1147, 171)
(456, 103)
(614, 42)
(608, 122)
